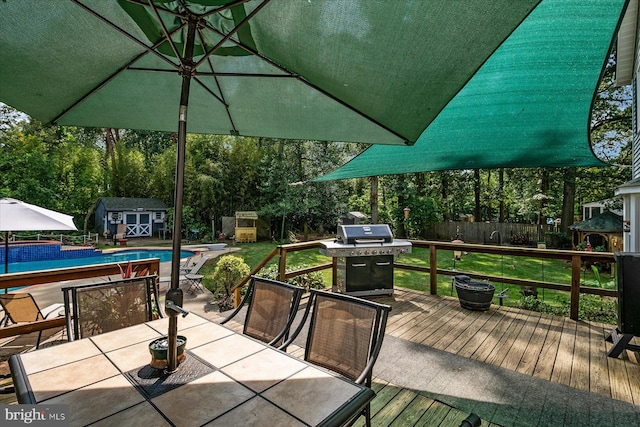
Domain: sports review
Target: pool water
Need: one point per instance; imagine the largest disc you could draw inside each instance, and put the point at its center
(119, 256)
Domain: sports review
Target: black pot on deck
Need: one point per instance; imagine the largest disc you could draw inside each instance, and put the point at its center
(474, 294)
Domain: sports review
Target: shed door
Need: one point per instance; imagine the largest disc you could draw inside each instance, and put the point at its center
(138, 224)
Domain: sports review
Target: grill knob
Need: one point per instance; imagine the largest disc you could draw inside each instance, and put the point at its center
(374, 252)
(352, 253)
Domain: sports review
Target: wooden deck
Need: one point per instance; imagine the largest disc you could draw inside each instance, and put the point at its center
(550, 348)
(557, 349)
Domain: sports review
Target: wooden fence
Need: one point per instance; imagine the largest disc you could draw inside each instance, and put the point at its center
(494, 233)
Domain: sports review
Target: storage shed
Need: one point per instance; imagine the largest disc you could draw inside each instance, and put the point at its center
(142, 217)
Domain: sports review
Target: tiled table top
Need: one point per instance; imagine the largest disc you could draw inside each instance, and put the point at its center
(248, 383)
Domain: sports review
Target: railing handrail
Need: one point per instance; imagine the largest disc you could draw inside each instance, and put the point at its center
(13, 280)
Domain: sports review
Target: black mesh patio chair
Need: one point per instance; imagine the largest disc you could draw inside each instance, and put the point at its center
(103, 307)
(272, 306)
(345, 336)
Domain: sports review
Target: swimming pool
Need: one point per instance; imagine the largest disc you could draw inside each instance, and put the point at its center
(119, 256)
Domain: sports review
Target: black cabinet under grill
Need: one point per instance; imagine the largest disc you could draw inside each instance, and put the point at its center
(365, 275)
(363, 258)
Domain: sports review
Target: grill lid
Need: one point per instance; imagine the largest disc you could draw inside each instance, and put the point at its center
(364, 234)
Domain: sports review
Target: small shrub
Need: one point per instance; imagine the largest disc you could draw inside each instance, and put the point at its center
(534, 304)
(581, 246)
(558, 240)
(592, 307)
(228, 271)
(307, 281)
(598, 309)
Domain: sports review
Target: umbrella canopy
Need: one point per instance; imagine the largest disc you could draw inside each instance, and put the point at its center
(528, 106)
(373, 71)
(341, 70)
(16, 215)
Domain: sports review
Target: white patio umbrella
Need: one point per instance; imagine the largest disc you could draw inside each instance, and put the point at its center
(16, 215)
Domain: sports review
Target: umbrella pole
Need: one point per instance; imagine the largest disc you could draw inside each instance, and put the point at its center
(6, 254)
(186, 72)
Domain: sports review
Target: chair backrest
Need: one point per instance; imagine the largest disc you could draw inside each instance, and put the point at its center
(103, 307)
(345, 333)
(121, 230)
(20, 307)
(271, 309)
(198, 265)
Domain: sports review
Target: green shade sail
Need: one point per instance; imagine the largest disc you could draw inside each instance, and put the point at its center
(374, 71)
(528, 106)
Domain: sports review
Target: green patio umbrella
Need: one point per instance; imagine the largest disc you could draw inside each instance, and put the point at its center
(528, 106)
(374, 71)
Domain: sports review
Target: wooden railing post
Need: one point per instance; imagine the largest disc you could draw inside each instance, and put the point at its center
(282, 265)
(433, 269)
(576, 264)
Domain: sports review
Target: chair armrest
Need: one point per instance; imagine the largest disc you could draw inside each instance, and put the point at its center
(53, 309)
(303, 321)
(27, 328)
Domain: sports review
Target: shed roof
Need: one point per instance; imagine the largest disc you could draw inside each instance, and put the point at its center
(132, 203)
(606, 221)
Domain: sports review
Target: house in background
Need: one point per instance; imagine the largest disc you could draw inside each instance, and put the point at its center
(143, 217)
(589, 210)
(627, 73)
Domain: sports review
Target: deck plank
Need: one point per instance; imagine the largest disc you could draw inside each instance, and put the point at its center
(502, 347)
(530, 356)
(412, 413)
(549, 350)
(598, 370)
(580, 367)
(518, 347)
(491, 341)
(466, 331)
(394, 408)
(564, 359)
(435, 415)
(481, 334)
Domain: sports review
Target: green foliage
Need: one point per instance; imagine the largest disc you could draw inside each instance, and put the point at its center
(308, 281)
(598, 309)
(610, 284)
(592, 307)
(534, 304)
(229, 270)
(558, 240)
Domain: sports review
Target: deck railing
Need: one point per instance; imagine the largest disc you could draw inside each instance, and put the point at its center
(149, 266)
(576, 258)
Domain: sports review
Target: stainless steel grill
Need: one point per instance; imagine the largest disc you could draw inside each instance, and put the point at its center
(365, 240)
(364, 258)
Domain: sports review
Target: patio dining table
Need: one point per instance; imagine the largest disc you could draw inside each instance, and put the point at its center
(226, 379)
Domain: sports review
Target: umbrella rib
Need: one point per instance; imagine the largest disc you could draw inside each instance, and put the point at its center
(227, 37)
(289, 73)
(166, 32)
(234, 130)
(219, 74)
(149, 49)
